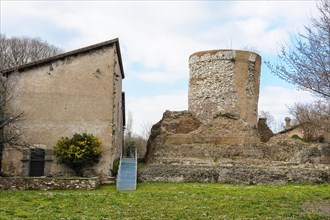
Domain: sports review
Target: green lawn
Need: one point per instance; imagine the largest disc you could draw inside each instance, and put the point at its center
(171, 201)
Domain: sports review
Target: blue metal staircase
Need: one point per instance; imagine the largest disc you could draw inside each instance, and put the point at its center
(127, 173)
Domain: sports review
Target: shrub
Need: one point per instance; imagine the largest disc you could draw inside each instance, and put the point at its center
(79, 151)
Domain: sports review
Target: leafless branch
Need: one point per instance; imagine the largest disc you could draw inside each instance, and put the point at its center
(16, 51)
(305, 62)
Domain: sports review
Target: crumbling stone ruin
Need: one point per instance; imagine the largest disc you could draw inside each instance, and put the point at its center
(224, 82)
(264, 131)
(219, 138)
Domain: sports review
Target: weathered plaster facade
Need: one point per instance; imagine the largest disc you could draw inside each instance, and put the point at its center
(79, 91)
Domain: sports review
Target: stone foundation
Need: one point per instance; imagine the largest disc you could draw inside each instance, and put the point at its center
(181, 135)
(45, 183)
(227, 150)
(236, 173)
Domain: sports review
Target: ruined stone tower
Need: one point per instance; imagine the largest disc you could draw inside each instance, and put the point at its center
(224, 82)
(219, 139)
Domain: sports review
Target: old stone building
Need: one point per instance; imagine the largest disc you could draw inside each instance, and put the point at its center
(306, 131)
(219, 137)
(74, 92)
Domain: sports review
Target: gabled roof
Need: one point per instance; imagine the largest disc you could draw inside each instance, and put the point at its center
(293, 127)
(289, 129)
(83, 50)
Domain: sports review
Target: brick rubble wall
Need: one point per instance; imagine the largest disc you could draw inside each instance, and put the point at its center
(45, 183)
(225, 82)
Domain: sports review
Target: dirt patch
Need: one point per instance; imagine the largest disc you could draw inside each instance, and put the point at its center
(323, 209)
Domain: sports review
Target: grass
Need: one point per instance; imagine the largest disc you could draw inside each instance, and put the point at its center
(171, 201)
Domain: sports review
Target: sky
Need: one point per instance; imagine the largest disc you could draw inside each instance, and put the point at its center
(157, 38)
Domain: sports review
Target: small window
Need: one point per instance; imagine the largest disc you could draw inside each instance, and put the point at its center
(37, 162)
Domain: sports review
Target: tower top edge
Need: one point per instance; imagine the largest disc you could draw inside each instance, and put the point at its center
(199, 54)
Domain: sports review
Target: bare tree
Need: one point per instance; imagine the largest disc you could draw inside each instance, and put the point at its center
(146, 129)
(306, 62)
(9, 132)
(134, 141)
(143, 138)
(268, 116)
(16, 51)
(313, 117)
(129, 125)
(128, 136)
(274, 125)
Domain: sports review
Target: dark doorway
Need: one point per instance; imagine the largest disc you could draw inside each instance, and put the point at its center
(37, 162)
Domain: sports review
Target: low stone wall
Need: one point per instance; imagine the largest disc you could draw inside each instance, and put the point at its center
(46, 183)
(235, 174)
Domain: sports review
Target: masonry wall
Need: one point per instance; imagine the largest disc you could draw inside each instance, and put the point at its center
(75, 94)
(224, 82)
(117, 111)
(37, 183)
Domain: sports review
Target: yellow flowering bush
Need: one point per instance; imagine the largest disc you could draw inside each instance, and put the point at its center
(79, 151)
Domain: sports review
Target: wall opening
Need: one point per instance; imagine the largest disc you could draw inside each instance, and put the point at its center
(37, 162)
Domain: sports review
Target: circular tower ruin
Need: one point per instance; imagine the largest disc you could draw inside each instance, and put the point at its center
(224, 82)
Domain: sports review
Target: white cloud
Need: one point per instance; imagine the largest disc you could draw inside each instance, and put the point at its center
(158, 77)
(262, 23)
(276, 100)
(162, 35)
(151, 108)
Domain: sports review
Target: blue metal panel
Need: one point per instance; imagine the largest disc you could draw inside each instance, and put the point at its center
(127, 174)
